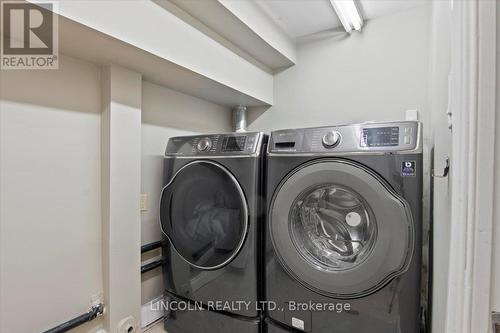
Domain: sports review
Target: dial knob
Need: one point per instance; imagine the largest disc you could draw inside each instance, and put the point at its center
(331, 139)
(204, 144)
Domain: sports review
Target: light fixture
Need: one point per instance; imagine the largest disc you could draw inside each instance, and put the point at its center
(348, 14)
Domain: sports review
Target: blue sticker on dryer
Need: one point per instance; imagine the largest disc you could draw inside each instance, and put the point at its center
(408, 168)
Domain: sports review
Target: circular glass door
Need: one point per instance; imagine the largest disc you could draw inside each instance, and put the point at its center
(204, 214)
(332, 227)
(340, 229)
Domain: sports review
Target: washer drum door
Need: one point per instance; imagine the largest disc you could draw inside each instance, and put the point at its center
(340, 229)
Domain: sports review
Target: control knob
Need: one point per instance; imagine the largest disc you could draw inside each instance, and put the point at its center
(331, 139)
(204, 144)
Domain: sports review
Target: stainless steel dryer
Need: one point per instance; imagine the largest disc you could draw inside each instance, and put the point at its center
(343, 244)
(211, 212)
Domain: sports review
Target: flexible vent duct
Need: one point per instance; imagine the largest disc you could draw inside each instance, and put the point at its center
(240, 119)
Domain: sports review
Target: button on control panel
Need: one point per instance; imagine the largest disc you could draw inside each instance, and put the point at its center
(331, 139)
(204, 144)
(408, 131)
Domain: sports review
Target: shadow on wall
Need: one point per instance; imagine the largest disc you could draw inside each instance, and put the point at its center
(60, 89)
(167, 108)
(255, 112)
(332, 35)
(50, 175)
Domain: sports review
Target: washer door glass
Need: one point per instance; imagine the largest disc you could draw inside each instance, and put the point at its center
(203, 212)
(332, 227)
(340, 229)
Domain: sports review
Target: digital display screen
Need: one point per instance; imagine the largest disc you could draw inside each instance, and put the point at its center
(234, 143)
(380, 137)
(284, 145)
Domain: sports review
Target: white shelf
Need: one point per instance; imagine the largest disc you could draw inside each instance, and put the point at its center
(168, 52)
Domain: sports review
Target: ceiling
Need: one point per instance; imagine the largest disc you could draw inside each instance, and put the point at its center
(300, 18)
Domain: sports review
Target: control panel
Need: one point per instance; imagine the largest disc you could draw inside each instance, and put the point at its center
(215, 144)
(381, 137)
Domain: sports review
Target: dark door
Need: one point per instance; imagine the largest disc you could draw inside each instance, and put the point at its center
(340, 229)
(204, 214)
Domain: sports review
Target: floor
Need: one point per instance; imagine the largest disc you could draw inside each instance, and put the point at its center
(157, 328)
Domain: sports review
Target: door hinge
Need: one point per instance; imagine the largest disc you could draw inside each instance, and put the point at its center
(446, 169)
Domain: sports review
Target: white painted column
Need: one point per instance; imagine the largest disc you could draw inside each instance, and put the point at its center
(120, 190)
(473, 167)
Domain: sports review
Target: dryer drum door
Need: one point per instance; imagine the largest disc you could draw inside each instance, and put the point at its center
(204, 214)
(340, 229)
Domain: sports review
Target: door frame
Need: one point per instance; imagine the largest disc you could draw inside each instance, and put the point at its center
(473, 102)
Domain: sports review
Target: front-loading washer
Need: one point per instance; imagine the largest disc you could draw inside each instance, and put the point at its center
(211, 214)
(343, 242)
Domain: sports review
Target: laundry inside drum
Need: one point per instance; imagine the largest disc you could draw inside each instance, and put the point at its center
(332, 227)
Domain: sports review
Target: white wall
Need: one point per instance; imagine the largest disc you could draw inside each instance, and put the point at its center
(496, 237)
(50, 214)
(373, 75)
(167, 113)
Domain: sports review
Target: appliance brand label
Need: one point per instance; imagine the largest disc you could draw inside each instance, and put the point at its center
(408, 168)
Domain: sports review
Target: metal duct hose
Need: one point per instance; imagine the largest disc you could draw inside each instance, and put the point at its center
(240, 119)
